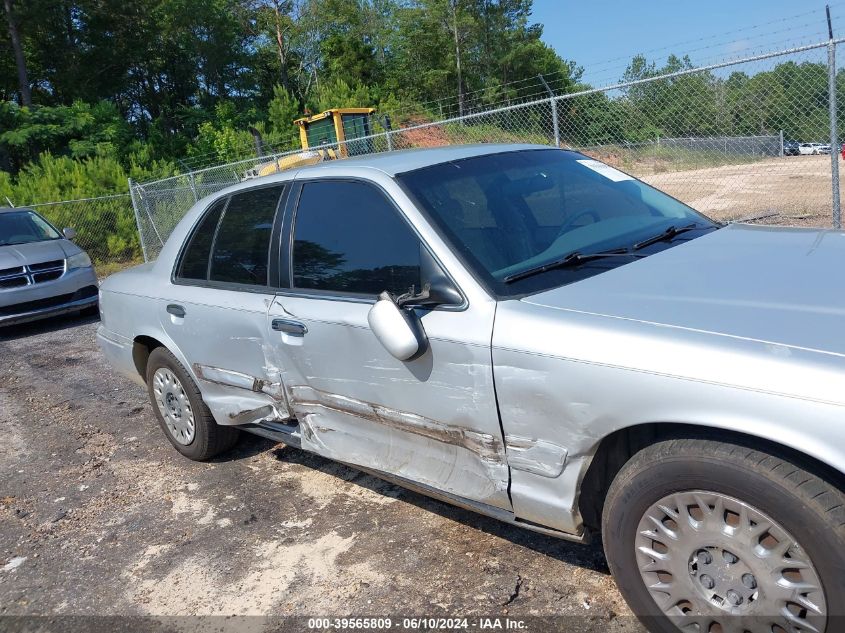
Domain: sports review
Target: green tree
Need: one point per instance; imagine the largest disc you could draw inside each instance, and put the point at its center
(337, 93)
(79, 129)
(686, 104)
(282, 110)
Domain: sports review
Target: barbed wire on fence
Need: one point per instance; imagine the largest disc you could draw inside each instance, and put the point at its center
(733, 139)
(539, 91)
(501, 95)
(529, 89)
(734, 158)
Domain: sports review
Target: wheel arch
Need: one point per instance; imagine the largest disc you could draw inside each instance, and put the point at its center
(144, 344)
(615, 449)
(142, 347)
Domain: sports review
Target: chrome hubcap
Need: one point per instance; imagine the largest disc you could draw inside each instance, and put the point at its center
(174, 406)
(713, 563)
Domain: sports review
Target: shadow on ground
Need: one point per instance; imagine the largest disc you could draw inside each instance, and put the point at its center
(45, 326)
(589, 556)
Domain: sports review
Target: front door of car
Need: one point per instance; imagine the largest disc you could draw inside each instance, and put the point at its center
(431, 420)
(216, 313)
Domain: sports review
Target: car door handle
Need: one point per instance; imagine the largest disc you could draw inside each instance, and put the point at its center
(176, 310)
(288, 326)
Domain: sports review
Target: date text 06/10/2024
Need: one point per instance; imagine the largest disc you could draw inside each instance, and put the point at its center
(422, 623)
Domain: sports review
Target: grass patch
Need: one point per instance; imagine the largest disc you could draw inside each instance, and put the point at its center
(106, 268)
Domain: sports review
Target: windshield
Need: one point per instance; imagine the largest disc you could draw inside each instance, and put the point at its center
(512, 212)
(21, 227)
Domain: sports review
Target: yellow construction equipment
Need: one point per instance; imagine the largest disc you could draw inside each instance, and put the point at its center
(335, 133)
(338, 128)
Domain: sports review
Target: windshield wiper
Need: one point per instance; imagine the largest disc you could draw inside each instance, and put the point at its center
(666, 234)
(575, 258)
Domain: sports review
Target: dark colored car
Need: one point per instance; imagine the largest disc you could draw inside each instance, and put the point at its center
(790, 148)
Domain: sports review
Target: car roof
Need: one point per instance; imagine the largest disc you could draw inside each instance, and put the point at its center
(390, 163)
(404, 160)
(10, 209)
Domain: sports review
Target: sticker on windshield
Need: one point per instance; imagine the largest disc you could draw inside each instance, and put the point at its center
(605, 170)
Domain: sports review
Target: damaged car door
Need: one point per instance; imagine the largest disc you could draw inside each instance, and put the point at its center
(430, 419)
(223, 285)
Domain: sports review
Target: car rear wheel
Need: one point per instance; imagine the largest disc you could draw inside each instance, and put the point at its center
(181, 412)
(711, 536)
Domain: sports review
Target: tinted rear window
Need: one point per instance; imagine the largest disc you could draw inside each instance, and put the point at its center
(242, 246)
(195, 260)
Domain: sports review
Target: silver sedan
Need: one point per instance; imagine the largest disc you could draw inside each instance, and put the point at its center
(537, 336)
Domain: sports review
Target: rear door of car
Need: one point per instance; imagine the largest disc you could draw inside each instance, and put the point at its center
(431, 420)
(222, 286)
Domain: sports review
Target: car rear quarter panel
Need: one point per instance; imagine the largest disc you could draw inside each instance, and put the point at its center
(129, 305)
(572, 379)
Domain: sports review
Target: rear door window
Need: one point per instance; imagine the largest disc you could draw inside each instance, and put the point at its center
(194, 265)
(241, 252)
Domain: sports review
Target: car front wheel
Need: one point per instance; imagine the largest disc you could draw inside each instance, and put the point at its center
(712, 536)
(181, 412)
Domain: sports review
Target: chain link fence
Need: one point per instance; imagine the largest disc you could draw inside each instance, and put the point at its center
(105, 227)
(747, 146)
(749, 139)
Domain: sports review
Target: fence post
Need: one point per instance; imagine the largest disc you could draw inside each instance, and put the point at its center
(137, 219)
(834, 141)
(555, 124)
(193, 185)
(553, 104)
(152, 221)
(781, 143)
(389, 142)
(150, 218)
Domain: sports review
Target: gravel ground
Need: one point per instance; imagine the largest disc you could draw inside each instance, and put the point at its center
(100, 516)
(794, 190)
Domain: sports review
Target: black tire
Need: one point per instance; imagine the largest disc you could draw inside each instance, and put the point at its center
(210, 439)
(807, 506)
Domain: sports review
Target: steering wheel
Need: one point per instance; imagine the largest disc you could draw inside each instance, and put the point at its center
(568, 224)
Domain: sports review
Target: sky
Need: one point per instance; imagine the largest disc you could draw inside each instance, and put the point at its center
(602, 36)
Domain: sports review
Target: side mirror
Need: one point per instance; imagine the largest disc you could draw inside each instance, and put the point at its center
(437, 288)
(69, 233)
(396, 329)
